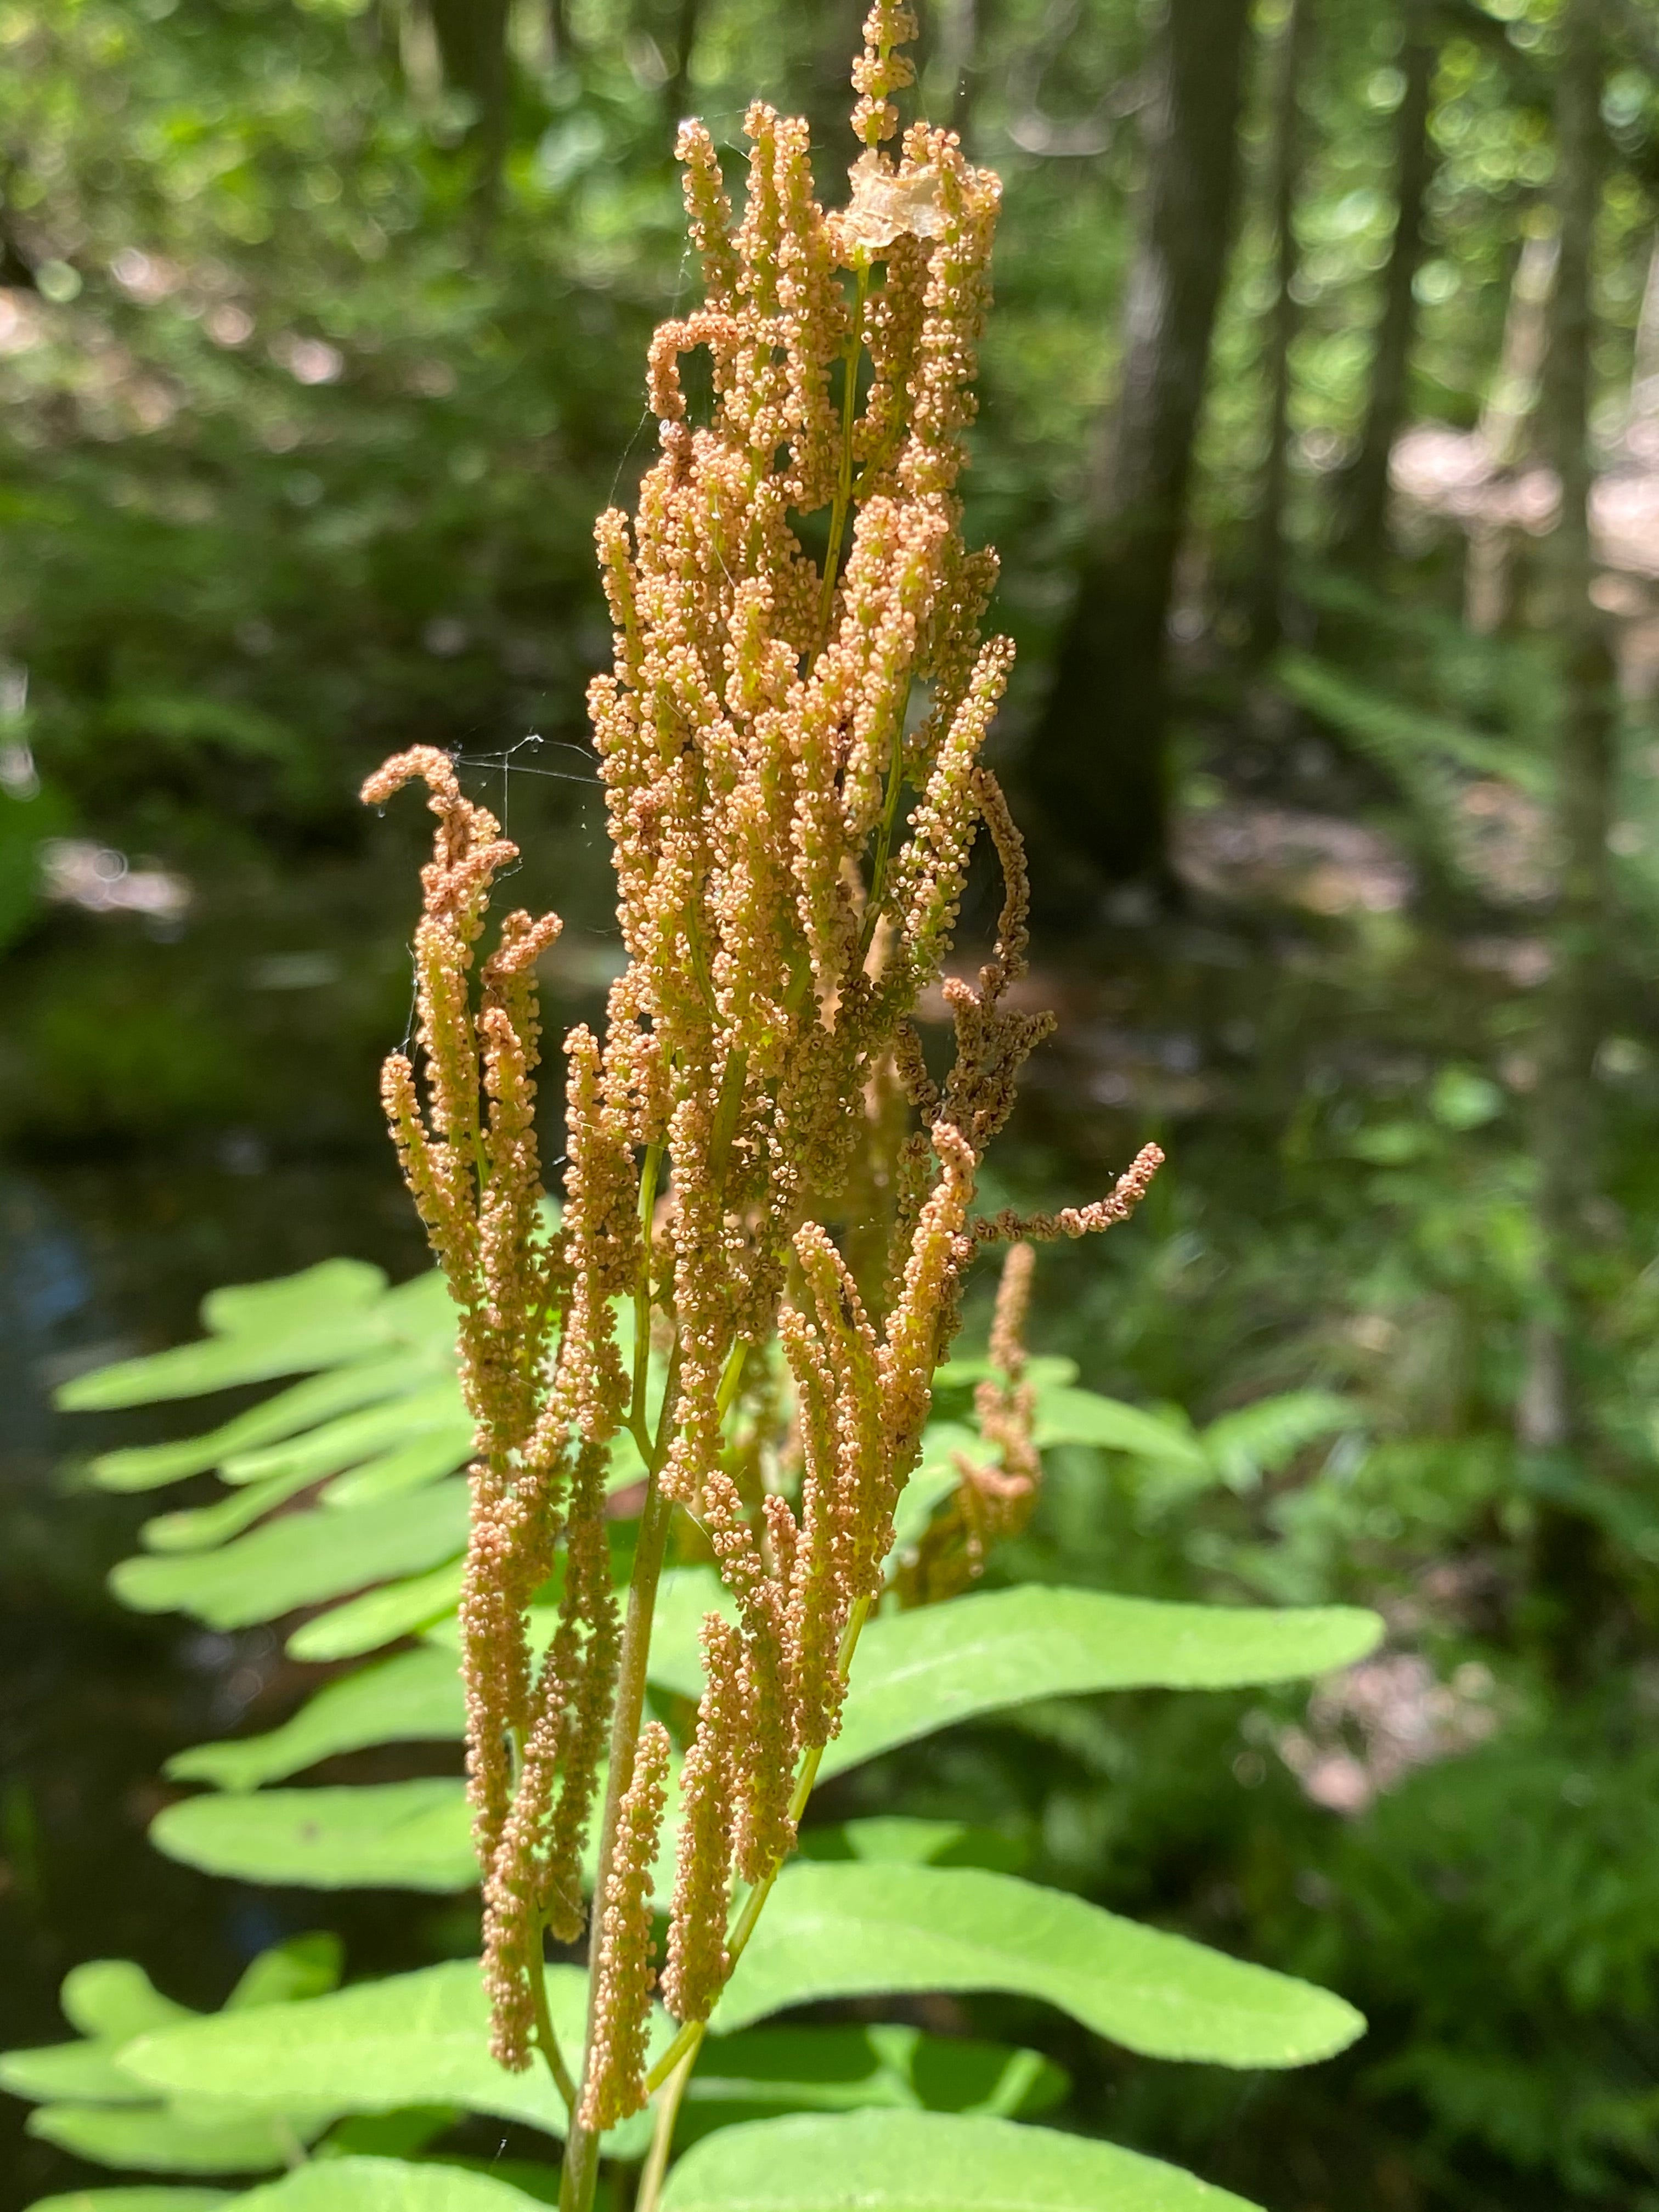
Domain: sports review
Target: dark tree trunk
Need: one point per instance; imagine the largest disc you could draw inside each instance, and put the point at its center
(1362, 509)
(1267, 570)
(1566, 1137)
(687, 18)
(1098, 769)
(471, 37)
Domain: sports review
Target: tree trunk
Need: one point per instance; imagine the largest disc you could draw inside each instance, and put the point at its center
(1098, 766)
(1363, 508)
(687, 18)
(1641, 434)
(1507, 422)
(1284, 173)
(1566, 1130)
(471, 37)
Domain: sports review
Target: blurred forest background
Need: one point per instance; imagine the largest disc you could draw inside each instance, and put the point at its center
(1319, 437)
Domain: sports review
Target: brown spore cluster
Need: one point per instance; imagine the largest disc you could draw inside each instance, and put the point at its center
(766, 1201)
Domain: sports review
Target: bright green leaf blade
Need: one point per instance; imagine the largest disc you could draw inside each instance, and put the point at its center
(422, 1312)
(1083, 1417)
(301, 1559)
(114, 1998)
(332, 1286)
(154, 2139)
(72, 2073)
(925, 2162)
(414, 1697)
(925, 1492)
(149, 1467)
(140, 2199)
(304, 1966)
(684, 1596)
(625, 1466)
(934, 1479)
(382, 2184)
(419, 2038)
(220, 1362)
(355, 1436)
(408, 1467)
(1044, 1370)
(916, 1672)
(942, 1440)
(869, 1930)
(396, 1835)
(203, 1528)
(380, 1616)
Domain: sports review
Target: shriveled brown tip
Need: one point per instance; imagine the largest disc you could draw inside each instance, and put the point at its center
(1118, 1205)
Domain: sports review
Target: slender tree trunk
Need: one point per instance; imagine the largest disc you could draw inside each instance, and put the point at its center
(1509, 418)
(1641, 435)
(687, 18)
(1362, 506)
(1507, 422)
(1566, 1132)
(472, 45)
(1098, 766)
(1284, 174)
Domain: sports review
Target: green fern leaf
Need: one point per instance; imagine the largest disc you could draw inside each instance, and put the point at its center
(380, 1616)
(917, 1672)
(414, 1697)
(157, 2139)
(925, 2162)
(384, 2184)
(395, 1835)
(859, 1930)
(143, 2198)
(301, 1559)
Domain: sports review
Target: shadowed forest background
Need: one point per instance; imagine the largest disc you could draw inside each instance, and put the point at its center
(1320, 439)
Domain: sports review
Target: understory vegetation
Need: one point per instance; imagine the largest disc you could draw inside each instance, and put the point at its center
(1316, 1678)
